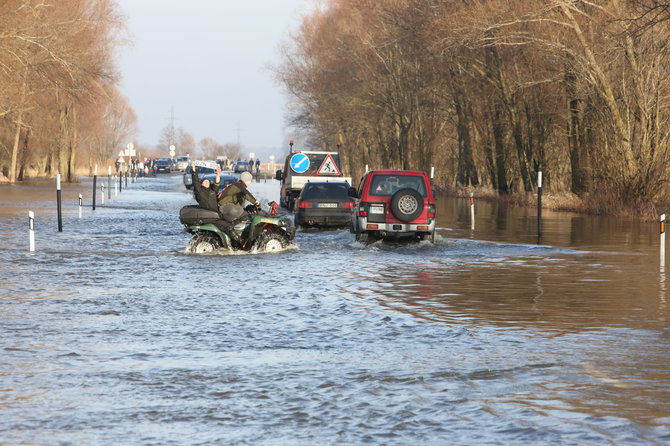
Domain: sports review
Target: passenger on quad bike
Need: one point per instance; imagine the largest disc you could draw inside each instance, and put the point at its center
(230, 204)
(204, 192)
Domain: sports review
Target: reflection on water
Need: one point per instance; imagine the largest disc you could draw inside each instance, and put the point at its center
(112, 335)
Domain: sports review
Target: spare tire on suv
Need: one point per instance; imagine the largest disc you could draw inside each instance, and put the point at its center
(406, 204)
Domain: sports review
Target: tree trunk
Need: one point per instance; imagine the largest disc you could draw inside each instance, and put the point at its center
(62, 139)
(24, 154)
(499, 147)
(466, 170)
(72, 146)
(17, 134)
(579, 161)
(606, 91)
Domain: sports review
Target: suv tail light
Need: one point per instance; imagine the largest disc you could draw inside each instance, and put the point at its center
(363, 209)
(306, 205)
(347, 205)
(431, 211)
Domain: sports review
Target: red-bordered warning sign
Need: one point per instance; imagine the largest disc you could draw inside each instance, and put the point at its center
(328, 167)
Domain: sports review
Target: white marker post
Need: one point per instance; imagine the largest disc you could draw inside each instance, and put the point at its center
(31, 230)
(472, 211)
(102, 194)
(80, 203)
(662, 252)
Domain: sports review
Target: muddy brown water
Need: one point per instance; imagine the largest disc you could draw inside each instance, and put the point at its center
(111, 334)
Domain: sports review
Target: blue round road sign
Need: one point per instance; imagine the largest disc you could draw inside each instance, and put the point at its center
(299, 163)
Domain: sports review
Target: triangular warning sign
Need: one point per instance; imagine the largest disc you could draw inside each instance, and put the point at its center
(328, 167)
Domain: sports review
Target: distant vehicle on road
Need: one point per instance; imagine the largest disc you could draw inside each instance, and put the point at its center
(163, 165)
(204, 169)
(325, 204)
(302, 166)
(242, 166)
(224, 180)
(182, 163)
(394, 204)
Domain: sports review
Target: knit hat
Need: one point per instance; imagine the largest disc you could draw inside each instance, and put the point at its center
(246, 178)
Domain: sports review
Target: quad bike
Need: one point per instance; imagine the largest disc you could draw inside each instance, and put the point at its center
(257, 230)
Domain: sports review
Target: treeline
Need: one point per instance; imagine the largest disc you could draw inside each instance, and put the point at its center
(492, 91)
(58, 86)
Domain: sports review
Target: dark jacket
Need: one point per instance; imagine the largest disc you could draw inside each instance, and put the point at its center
(235, 193)
(205, 196)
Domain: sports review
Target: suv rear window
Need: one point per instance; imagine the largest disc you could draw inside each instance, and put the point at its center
(387, 185)
(325, 190)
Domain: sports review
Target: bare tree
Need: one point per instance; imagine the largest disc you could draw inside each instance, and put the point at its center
(54, 54)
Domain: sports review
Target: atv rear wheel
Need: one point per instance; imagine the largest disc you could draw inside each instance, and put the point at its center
(271, 242)
(204, 242)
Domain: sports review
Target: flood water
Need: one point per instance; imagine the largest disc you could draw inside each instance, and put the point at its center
(112, 335)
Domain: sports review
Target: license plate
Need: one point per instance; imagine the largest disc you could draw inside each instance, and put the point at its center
(376, 209)
(327, 205)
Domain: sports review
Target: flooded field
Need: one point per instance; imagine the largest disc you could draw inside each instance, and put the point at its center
(112, 335)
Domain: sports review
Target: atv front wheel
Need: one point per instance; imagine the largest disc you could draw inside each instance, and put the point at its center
(271, 242)
(203, 242)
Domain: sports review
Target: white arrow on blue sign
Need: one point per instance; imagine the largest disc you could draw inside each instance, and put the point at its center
(299, 163)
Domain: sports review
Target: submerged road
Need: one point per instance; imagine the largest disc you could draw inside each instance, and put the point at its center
(112, 335)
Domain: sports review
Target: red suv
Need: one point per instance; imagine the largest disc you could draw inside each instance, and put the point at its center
(394, 204)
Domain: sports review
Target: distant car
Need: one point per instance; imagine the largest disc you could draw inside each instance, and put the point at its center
(394, 204)
(224, 180)
(207, 173)
(325, 204)
(242, 166)
(163, 165)
(202, 170)
(182, 163)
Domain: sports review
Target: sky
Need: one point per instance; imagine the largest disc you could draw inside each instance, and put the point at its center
(206, 62)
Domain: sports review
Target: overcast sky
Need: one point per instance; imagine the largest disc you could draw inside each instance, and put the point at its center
(207, 60)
